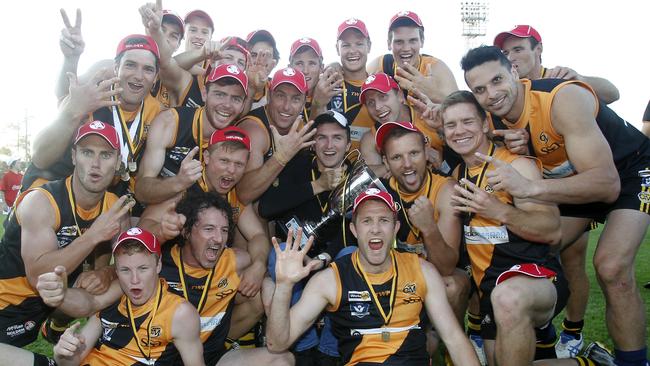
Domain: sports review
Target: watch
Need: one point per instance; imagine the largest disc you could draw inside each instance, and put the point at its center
(323, 258)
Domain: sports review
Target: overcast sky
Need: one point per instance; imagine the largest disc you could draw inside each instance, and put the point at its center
(603, 38)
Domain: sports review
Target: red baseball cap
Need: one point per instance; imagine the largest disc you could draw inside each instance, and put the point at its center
(237, 43)
(201, 14)
(405, 15)
(374, 194)
(527, 269)
(380, 82)
(305, 42)
(143, 236)
(353, 23)
(521, 31)
(228, 71)
(137, 42)
(99, 128)
(172, 16)
(291, 76)
(231, 133)
(386, 127)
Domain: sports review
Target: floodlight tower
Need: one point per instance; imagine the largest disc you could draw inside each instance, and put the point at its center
(474, 15)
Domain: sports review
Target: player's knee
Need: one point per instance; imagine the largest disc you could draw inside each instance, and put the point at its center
(509, 304)
(282, 359)
(614, 273)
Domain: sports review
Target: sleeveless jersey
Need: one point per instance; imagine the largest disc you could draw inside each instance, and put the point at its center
(408, 237)
(546, 144)
(492, 248)
(261, 98)
(160, 92)
(214, 305)
(189, 126)
(191, 96)
(348, 104)
(17, 297)
(364, 335)
(153, 321)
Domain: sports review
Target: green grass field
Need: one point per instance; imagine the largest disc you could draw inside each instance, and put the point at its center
(595, 328)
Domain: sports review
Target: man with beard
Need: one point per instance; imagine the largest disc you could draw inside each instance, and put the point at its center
(411, 69)
(385, 102)
(339, 87)
(179, 134)
(276, 133)
(136, 66)
(377, 303)
(66, 222)
(597, 163)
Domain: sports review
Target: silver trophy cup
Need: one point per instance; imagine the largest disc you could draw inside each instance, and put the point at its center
(360, 178)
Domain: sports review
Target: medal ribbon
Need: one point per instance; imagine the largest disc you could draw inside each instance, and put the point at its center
(129, 142)
(206, 285)
(393, 287)
(135, 330)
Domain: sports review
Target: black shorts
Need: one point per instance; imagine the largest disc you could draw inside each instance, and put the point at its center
(635, 193)
(40, 360)
(488, 325)
(20, 324)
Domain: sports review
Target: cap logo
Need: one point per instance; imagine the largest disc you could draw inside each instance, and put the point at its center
(372, 191)
(232, 69)
(97, 125)
(288, 72)
(234, 137)
(304, 40)
(134, 231)
(370, 79)
(351, 21)
(403, 13)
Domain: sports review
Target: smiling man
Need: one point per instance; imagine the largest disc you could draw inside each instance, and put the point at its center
(379, 296)
(181, 134)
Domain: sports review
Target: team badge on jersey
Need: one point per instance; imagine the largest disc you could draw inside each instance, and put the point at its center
(358, 296)
(359, 309)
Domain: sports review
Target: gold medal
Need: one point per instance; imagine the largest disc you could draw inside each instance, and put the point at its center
(133, 166)
(385, 336)
(86, 266)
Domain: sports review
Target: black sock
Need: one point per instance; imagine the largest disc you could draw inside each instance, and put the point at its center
(572, 328)
(584, 361)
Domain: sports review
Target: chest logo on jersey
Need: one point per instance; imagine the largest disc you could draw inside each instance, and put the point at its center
(223, 294)
(358, 296)
(178, 153)
(222, 283)
(547, 148)
(359, 309)
(66, 235)
(409, 288)
(644, 197)
(156, 331)
(108, 328)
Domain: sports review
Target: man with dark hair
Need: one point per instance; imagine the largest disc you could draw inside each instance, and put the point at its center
(378, 299)
(306, 56)
(411, 69)
(597, 162)
(263, 50)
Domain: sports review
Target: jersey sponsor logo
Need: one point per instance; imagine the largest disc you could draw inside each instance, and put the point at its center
(489, 189)
(176, 286)
(148, 342)
(644, 197)
(645, 177)
(359, 309)
(357, 132)
(223, 294)
(486, 234)
(412, 299)
(409, 288)
(178, 153)
(66, 235)
(547, 148)
(108, 328)
(223, 282)
(16, 330)
(358, 296)
(208, 324)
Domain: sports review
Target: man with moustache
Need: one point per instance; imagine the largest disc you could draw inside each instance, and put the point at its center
(180, 134)
(596, 161)
(68, 222)
(378, 298)
(339, 87)
(407, 65)
(131, 112)
(276, 133)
